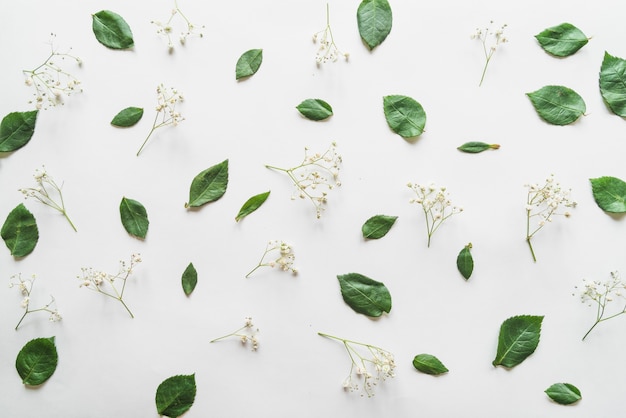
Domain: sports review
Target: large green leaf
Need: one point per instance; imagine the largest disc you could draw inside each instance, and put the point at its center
(189, 279)
(558, 105)
(404, 115)
(377, 226)
(248, 63)
(429, 364)
(209, 185)
(563, 393)
(20, 232)
(613, 83)
(518, 339)
(315, 109)
(251, 205)
(465, 262)
(374, 19)
(609, 193)
(16, 129)
(364, 295)
(37, 361)
(111, 30)
(134, 217)
(562, 40)
(127, 117)
(175, 395)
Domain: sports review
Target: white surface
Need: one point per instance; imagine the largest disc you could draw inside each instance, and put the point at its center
(110, 365)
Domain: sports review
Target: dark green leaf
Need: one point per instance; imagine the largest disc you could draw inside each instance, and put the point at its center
(209, 185)
(476, 147)
(111, 30)
(134, 217)
(364, 295)
(563, 393)
(16, 129)
(429, 364)
(175, 395)
(609, 193)
(465, 262)
(127, 117)
(518, 339)
(374, 20)
(315, 109)
(20, 232)
(405, 116)
(248, 63)
(190, 279)
(377, 226)
(558, 105)
(613, 83)
(37, 361)
(562, 40)
(251, 205)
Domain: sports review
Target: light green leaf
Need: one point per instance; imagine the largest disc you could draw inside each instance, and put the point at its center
(404, 115)
(189, 279)
(374, 19)
(465, 262)
(16, 129)
(249, 63)
(609, 193)
(563, 393)
(558, 105)
(127, 117)
(476, 147)
(20, 232)
(562, 40)
(518, 339)
(134, 217)
(315, 109)
(209, 185)
(111, 30)
(37, 361)
(613, 83)
(429, 364)
(175, 395)
(364, 295)
(251, 205)
(377, 226)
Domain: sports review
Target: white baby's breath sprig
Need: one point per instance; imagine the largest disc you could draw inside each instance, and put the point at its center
(436, 204)
(496, 36)
(601, 294)
(167, 29)
(166, 112)
(247, 333)
(281, 255)
(327, 50)
(25, 286)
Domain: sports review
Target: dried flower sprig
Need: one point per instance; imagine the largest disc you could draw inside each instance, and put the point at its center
(316, 171)
(47, 192)
(435, 203)
(166, 113)
(166, 29)
(25, 287)
(246, 334)
(601, 294)
(497, 37)
(284, 257)
(327, 50)
(107, 284)
(368, 362)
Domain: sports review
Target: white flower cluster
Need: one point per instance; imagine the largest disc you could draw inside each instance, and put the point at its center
(497, 37)
(601, 294)
(327, 51)
(544, 201)
(246, 334)
(435, 203)
(167, 100)
(166, 29)
(25, 286)
(284, 257)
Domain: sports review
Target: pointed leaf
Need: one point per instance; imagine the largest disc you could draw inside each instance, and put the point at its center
(377, 226)
(476, 147)
(465, 262)
(364, 295)
(16, 129)
(558, 105)
(613, 83)
(37, 361)
(609, 193)
(563, 393)
(404, 115)
(429, 364)
(134, 217)
(249, 63)
(127, 117)
(209, 185)
(374, 19)
(20, 232)
(111, 30)
(251, 205)
(518, 339)
(189, 279)
(315, 109)
(175, 395)
(562, 40)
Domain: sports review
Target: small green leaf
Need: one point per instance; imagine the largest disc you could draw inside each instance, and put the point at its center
(374, 19)
(429, 364)
(558, 105)
(37, 361)
(111, 30)
(134, 217)
(563, 393)
(251, 205)
(613, 83)
(465, 262)
(377, 226)
(127, 117)
(364, 295)
(248, 63)
(20, 232)
(609, 193)
(189, 279)
(518, 339)
(476, 147)
(16, 129)
(315, 109)
(405, 116)
(562, 40)
(175, 395)
(209, 185)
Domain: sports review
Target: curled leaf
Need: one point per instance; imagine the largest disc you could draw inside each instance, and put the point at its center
(374, 19)
(134, 217)
(37, 361)
(111, 30)
(127, 117)
(364, 295)
(377, 226)
(518, 339)
(175, 395)
(248, 63)
(251, 205)
(465, 262)
(16, 129)
(429, 364)
(209, 185)
(189, 279)
(558, 105)
(563, 393)
(404, 115)
(562, 40)
(20, 232)
(475, 147)
(609, 194)
(613, 83)
(315, 109)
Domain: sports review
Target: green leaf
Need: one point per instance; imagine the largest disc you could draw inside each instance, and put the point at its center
(558, 105)
(190, 279)
(20, 232)
(563, 393)
(175, 395)
(248, 63)
(613, 83)
(405, 116)
(37, 361)
(16, 129)
(374, 20)
(127, 117)
(609, 193)
(364, 295)
(209, 185)
(476, 147)
(562, 40)
(111, 30)
(518, 339)
(251, 205)
(315, 109)
(134, 217)
(465, 262)
(429, 364)
(377, 226)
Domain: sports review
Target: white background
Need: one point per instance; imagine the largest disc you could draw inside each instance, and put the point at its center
(110, 365)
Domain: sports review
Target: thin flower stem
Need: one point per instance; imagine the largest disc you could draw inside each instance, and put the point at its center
(21, 319)
(234, 333)
(154, 127)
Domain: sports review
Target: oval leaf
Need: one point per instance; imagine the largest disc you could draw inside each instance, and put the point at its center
(251, 205)
(134, 217)
(374, 19)
(377, 226)
(563, 393)
(364, 295)
(16, 129)
(405, 116)
(248, 63)
(111, 30)
(465, 262)
(37, 361)
(315, 109)
(613, 83)
(562, 40)
(518, 339)
(20, 232)
(209, 185)
(175, 395)
(609, 193)
(558, 105)
(476, 147)
(429, 364)
(189, 279)
(127, 117)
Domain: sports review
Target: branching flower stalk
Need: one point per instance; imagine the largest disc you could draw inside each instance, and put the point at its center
(166, 113)
(25, 287)
(246, 334)
(435, 203)
(284, 260)
(166, 29)
(601, 294)
(328, 50)
(497, 37)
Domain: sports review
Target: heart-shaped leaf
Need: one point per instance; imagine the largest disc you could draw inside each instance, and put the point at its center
(175, 395)
(209, 185)
(16, 129)
(518, 339)
(37, 361)
(563, 393)
(251, 205)
(364, 295)
(248, 63)
(189, 279)
(609, 193)
(404, 115)
(315, 109)
(613, 83)
(475, 147)
(374, 19)
(377, 226)
(465, 262)
(111, 30)
(134, 217)
(20, 232)
(558, 105)
(429, 364)
(127, 117)
(562, 40)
